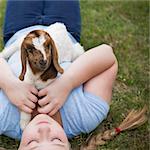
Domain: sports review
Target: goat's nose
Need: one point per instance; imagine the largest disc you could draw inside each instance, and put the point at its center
(43, 62)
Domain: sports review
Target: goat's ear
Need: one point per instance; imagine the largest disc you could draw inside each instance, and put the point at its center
(23, 62)
(55, 58)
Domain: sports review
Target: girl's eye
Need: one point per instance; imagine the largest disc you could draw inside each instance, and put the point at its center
(56, 139)
(32, 141)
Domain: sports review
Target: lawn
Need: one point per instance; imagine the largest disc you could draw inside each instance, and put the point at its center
(125, 26)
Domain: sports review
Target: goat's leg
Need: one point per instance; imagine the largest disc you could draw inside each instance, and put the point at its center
(24, 119)
(9, 50)
(77, 51)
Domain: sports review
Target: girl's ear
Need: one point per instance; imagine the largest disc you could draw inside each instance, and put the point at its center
(55, 58)
(23, 62)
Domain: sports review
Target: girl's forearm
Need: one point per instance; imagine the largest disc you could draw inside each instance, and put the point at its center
(88, 65)
(6, 75)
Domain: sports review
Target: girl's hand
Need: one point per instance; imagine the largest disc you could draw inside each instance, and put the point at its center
(21, 95)
(54, 96)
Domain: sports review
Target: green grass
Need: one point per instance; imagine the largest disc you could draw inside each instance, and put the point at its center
(2, 10)
(125, 26)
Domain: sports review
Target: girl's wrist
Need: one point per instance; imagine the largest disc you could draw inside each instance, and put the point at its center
(67, 81)
(9, 83)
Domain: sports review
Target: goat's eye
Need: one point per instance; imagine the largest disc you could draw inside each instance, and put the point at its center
(30, 50)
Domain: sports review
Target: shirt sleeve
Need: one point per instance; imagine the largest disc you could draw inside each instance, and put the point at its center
(9, 118)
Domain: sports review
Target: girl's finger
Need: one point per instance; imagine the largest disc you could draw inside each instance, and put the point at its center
(46, 109)
(54, 110)
(26, 109)
(33, 98)
(30, 104)
(42, 92)
(34, 90)
(43, 101)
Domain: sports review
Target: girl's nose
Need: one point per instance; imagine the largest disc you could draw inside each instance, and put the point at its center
(44, 132)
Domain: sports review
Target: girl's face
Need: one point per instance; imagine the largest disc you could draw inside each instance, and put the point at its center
(44, 133)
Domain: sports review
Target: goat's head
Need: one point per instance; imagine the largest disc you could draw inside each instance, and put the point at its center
(40, 51)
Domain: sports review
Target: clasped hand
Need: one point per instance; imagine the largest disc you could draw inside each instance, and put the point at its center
(54, 96)
(24, 95)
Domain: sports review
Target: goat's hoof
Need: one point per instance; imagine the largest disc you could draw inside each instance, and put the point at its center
(23, 124)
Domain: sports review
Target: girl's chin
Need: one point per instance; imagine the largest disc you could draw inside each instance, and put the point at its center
(42, 117)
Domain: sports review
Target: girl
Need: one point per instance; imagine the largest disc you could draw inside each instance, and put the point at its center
(82, 94)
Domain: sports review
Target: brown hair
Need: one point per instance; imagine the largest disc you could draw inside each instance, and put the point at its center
(1, 148)
(133, 120)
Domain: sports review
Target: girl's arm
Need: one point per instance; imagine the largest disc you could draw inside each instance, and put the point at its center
(6, 76)
(18, 92)
(85, 67)
(88, 65)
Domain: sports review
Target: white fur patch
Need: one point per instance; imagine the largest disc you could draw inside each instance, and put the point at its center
(38, 44)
